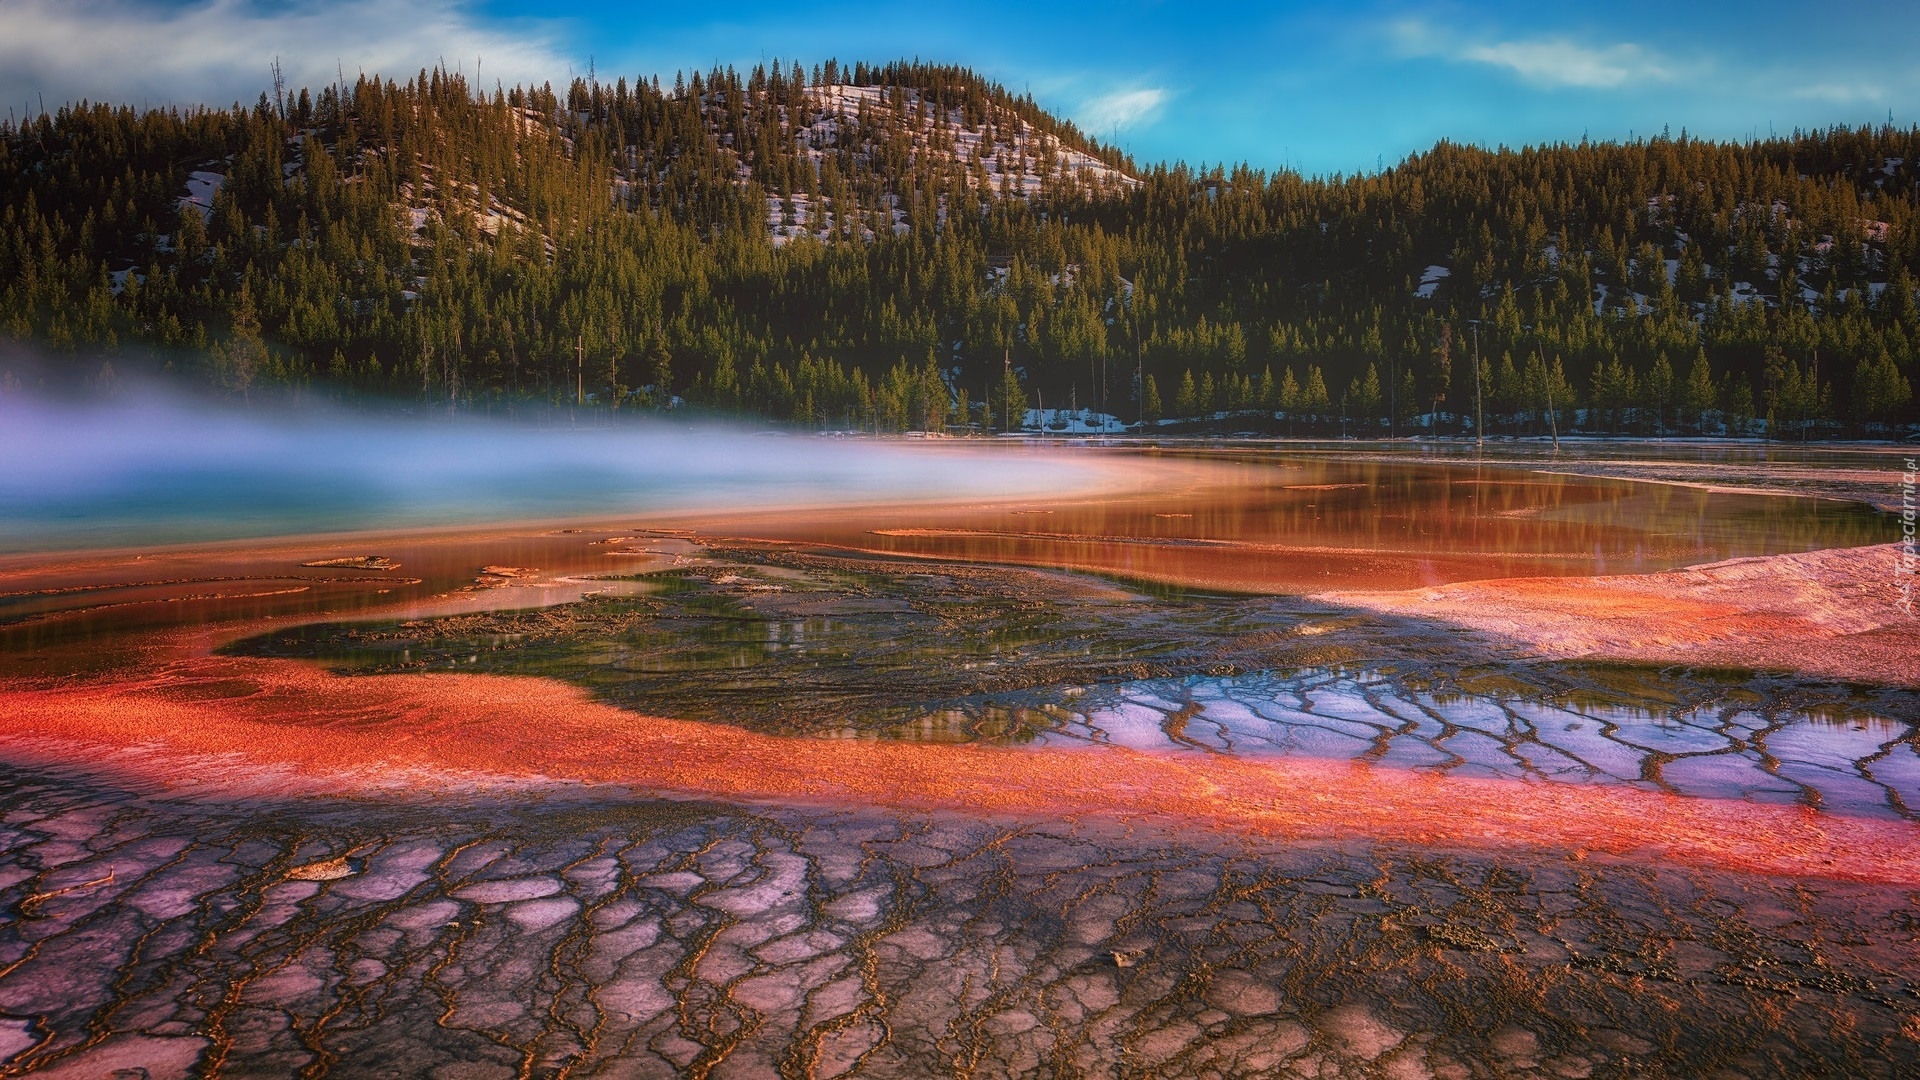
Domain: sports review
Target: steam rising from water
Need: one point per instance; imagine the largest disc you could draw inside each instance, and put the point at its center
(159, 470)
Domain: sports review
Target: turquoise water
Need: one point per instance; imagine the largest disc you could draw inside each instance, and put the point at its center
(158, 472)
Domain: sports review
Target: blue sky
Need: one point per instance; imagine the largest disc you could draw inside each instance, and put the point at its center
(1320, 87)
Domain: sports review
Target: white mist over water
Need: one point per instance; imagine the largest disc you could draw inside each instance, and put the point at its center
(157, 469)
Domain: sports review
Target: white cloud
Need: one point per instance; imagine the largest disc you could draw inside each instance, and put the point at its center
(1839, 93)
(1120, 109)
(1541, 61)
(1566, 63)
(219, 51)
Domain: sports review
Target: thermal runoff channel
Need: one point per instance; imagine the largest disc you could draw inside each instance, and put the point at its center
(850, 757)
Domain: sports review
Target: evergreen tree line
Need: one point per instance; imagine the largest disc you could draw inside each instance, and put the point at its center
(908, 245)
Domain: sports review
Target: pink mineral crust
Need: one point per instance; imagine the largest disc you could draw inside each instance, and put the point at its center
(1834, 613)
(302, 728)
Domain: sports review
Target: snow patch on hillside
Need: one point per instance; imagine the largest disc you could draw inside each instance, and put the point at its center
(1001, 154)
(202, 186)
(1430, 280)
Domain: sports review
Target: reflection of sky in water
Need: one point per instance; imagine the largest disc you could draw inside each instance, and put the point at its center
(158, 472)
(1855, 765)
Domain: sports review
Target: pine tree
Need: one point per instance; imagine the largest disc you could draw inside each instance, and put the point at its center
(1701, 393)
(1366, 400)
(1660, 390)
(1289, 398)
(1737, 398)
(660, 370)
(1314, 400)
(240, 359)
(1880, 392)
(1186, 399)
(1013, 400)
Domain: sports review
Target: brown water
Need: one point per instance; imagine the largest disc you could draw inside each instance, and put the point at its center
(1259, 524)
(1292, 523)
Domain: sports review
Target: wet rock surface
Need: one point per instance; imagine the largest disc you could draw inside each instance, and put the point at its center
(561, 934)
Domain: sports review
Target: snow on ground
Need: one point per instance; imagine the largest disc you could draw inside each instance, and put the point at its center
(1015, 155)
(1071, 422)
(202, 186)
(1005, 154)
(498, 214)
(1641, 305)
(812, 217)
(1430, 280)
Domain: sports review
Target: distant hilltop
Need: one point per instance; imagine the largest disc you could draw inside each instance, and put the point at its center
(910, 246)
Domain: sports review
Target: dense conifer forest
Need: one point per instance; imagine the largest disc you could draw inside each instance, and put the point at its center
(909, 246)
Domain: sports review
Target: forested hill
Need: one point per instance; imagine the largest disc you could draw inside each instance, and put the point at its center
(898, 246)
